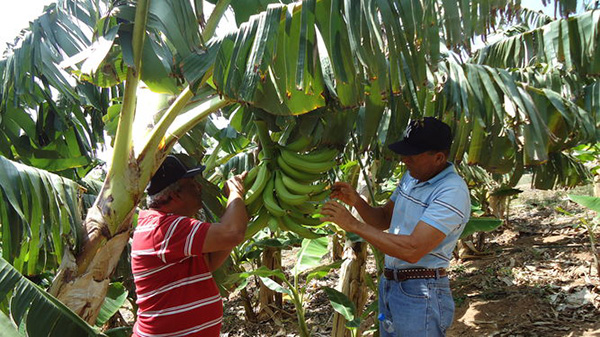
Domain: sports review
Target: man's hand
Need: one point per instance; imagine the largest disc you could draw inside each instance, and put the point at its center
(235, 185)
(337, 213)
(345, 193)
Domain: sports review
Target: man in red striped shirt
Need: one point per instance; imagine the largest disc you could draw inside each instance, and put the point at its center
(173, 254)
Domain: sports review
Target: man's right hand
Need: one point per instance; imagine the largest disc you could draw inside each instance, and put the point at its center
(345, 193)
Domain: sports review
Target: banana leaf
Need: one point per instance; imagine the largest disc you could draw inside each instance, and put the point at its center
(115, 298)
(38, 312)
(481, 224)
(310, 255)
(38, 211)
(342, 304)
(590, 202)
(8, 328)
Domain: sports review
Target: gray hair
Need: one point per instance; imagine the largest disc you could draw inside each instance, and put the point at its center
(163, 197)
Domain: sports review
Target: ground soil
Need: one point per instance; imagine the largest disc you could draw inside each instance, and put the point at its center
(534, 277)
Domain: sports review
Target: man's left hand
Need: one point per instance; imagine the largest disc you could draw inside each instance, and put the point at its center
(235, 185)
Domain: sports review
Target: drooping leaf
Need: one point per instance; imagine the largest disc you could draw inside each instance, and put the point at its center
(310, 254)
(114, 300)
(322, 271)
(269, 283)
(33, 204)
(341, 303)
(480, 224)
(32, 78)
(590, 202)
(39, 312)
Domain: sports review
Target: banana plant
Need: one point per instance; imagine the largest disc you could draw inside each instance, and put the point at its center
(376, 62)
(106, 228)
(308, 264)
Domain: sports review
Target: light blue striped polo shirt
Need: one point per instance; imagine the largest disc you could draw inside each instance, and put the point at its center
(442, 202)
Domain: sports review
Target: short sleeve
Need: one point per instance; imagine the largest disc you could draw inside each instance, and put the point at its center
(182, 237)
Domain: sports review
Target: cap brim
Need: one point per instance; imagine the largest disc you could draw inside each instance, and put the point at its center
(405, 149)
(194, 171)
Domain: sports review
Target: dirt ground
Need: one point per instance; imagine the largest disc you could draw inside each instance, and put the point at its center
(536, 277)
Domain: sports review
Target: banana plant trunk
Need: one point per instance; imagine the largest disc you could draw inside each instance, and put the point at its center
(337, 248)
(352, 283)
(267, 298)
(498, 207)
(83, 279)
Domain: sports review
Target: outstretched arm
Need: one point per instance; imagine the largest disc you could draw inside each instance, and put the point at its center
(410, 248)
(222, 237)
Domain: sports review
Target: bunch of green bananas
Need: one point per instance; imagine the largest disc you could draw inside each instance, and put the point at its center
(285, 192)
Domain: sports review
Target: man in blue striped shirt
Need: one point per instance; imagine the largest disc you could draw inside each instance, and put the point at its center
(423, 219)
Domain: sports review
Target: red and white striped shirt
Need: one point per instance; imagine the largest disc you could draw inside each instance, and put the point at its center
(176, 293)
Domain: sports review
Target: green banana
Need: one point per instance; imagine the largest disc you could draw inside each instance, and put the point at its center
(259, 223)
(302, 218)
(303, 213)
(298, 210)
(292, 172)
(269, 199)
(251, 176)
(274, 224)
(308, 207)
(320, 155)
(300, 188)
(285, 195)
(305, 163)
(320, 196)
(262, 177)
(289, 224)
(300, 143)
(254, 206)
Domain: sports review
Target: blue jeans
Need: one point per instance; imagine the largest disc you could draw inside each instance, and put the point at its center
(416, 307)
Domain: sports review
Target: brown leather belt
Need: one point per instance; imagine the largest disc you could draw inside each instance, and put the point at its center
(413, 273)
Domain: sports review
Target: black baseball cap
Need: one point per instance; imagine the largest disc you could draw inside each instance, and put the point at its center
(423, 135)
(171, 170)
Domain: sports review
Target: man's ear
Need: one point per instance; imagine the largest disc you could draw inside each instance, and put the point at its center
(441, 157)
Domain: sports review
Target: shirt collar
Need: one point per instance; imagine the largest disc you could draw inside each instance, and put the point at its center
(449, 169)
